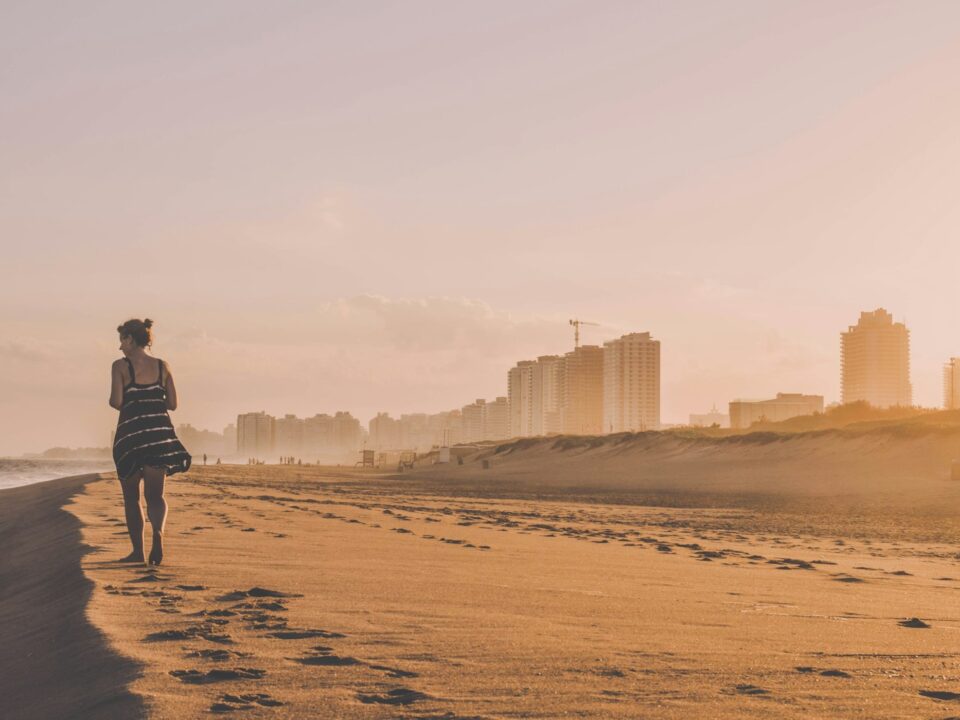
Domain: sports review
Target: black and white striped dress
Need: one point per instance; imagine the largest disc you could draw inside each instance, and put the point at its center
(145, 435)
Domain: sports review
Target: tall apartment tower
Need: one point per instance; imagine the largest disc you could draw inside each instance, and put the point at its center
(876, 361)
(255, 434)
(496, 419)
(547, 394)
(384, 432)
(581, 410)
(631, 383)
(472, 415)
(288, 435)
(951, 384)
(520, 398)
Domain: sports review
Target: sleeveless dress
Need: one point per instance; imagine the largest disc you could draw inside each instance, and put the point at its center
(145, 435)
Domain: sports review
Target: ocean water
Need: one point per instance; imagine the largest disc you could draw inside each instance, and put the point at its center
(24, 471)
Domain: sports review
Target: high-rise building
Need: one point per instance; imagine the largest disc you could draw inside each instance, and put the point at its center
(520, 398)
(876, 361)
(496, 419)
(255, 434)
(446, 428)
(546, 395)
(230, 439)
(318, 436)
(581, 411)
(744, 413)
(288, 435)
(483, 421)
(472, 415)
(951, 384)
(631, 383)
(199, 442)
(414, 432)
(347, 435)
(384, 433)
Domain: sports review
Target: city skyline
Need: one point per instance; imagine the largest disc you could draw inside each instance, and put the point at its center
(535, 407)
(591, 390)
(741, 180)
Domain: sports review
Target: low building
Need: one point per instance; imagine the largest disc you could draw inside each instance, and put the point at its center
(714, 417)
(744, 413)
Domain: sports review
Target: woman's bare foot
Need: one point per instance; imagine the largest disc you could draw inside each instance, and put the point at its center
(156, 552)
(135, 557)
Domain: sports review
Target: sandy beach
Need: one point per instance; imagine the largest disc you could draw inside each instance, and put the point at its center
(457, 592)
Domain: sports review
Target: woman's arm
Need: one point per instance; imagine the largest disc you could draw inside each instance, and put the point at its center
(170, 388)
(116, 385)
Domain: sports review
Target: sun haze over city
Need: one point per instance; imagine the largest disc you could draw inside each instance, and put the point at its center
(383, 208)
(479, 359)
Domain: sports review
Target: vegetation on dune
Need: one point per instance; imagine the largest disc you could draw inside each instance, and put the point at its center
(851, 420)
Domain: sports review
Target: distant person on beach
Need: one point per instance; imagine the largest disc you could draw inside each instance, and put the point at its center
(204, 458)
(146, 445)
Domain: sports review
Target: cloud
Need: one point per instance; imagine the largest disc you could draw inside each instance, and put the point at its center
(364, 353)
(435, 325)
(31, 351)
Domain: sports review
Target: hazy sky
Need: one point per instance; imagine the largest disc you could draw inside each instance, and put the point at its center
(382, 206)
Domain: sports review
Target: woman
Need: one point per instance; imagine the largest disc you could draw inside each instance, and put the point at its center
(145, 446)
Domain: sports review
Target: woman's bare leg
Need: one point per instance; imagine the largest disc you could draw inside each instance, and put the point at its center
(134, 516)
(153, 481)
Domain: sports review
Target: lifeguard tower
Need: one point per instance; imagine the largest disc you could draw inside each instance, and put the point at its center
(366, 459)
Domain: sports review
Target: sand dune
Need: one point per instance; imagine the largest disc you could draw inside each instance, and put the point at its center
(829, 462)
(537, 588)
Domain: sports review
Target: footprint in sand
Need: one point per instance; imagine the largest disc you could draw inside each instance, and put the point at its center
(205, 630)
(197, 677)
(217, 655)
(255, 592)
(750, 690)
(394, 672)
(232, 703)
(321, 655)
(399, 696)
(151, 576)
(940, 694)
(214, 613)
(303, 634)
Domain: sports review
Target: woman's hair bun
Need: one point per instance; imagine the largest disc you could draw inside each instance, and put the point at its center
(139, 330)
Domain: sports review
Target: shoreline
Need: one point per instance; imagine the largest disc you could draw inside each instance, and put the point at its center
(54, 663)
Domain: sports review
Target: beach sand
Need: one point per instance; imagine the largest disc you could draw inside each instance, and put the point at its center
(302, 592)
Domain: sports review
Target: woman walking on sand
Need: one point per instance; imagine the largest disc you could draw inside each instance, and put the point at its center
(146, 445)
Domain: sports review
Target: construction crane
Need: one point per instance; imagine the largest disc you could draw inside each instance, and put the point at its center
(576, 330)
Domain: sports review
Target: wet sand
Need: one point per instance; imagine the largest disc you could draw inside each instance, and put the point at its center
(295, 592)
(54, 663)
